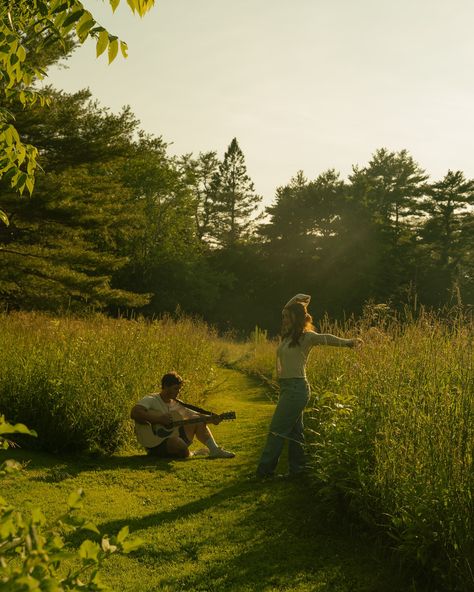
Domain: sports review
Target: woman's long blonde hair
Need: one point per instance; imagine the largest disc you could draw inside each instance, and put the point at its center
(301, 321)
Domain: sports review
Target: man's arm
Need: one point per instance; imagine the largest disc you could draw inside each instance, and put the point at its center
(191, 414)
(141, 414)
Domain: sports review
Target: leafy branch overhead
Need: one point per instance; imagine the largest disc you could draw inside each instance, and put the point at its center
(27, 28)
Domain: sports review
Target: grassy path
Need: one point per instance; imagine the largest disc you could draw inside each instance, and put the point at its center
(207, 525)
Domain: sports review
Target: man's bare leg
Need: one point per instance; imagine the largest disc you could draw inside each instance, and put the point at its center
(204, 435)
(177, 447)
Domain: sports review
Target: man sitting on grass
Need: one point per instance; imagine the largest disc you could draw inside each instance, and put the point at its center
(161, 409)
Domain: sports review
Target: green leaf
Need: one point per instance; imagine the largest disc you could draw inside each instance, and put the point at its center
(91, 527)
(37, 516)
(20, 154)
(21, 53)
(132, 4)
(30, 183)
(123, 534)
(58, 7)
(102, 42)
(72, 18)
(8, 135)
(14, 134)
(83, 29)
(114, 4)
(124, 49)
(141, 6)
(74, 500)
(113, 50)
(132, 545)
(89, 550)
(18, 428)
(5, 164)
(21, 181)
(10, 173)
(4, 218)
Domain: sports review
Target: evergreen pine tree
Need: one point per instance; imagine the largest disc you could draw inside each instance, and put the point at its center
(69, 236)
(446, 237)
(199, 175)
(235, 199)
(384, 203)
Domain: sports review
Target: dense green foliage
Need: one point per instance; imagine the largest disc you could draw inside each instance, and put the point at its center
(391, 433)
(33, 551)
(74, 382)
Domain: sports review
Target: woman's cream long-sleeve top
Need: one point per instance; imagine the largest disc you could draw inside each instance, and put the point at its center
(291, 361)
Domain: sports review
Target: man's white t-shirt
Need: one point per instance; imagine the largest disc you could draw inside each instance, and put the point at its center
(156, 403)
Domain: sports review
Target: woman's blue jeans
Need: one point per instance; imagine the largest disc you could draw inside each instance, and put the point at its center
(286, 426)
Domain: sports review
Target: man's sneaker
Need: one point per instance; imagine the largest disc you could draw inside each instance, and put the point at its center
(221, 453)
(200, 452)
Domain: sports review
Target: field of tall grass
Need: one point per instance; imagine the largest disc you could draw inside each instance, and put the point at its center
(74, 381)
(391, 432)
(390, 426)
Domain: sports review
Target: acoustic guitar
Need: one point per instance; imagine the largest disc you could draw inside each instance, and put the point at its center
(150, 435)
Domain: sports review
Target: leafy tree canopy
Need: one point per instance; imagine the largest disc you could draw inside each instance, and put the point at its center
(27, 28)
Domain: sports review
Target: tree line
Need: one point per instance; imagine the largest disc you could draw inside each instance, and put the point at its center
(117, 224)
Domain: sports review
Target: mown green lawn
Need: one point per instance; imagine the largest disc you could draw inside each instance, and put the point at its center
(208, 525)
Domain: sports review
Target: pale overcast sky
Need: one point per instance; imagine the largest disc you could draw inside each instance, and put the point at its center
(302, 84)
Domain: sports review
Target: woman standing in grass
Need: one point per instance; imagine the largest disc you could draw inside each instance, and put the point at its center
(298, 337)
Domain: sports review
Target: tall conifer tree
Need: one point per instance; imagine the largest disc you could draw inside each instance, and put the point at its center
(200, 174)
(235, 199)
(385, 198)
(446, 236)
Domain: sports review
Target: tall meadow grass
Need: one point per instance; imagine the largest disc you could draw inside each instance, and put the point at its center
(391, 432)
(74, 381)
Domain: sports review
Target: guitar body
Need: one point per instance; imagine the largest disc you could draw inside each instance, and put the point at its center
(150, 435)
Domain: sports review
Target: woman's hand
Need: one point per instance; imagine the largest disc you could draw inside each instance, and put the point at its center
(215, 419)
(301, 298)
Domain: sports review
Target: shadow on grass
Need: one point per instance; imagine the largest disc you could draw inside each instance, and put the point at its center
(279, 539)
(60, 467)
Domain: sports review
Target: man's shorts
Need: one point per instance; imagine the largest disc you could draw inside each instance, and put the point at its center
(160, 450)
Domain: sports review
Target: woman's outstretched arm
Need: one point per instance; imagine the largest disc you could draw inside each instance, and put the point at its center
(328, 339)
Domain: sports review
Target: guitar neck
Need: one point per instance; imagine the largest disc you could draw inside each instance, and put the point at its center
(181, 422)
